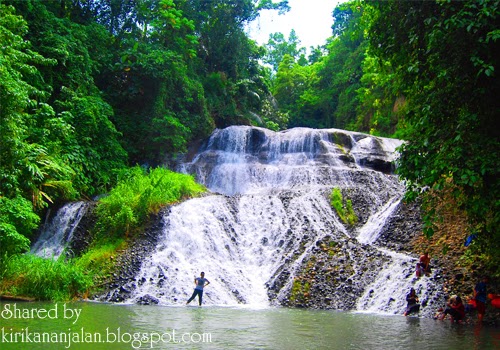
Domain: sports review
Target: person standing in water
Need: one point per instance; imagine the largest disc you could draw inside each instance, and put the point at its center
(200, 283)
(480, 295)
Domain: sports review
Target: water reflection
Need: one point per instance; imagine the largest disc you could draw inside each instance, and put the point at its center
(243, 328)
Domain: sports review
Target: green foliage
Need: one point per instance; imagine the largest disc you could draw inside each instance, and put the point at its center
(43, 279)
(381, 107)
(17, 221)
(323, 94)
(336, 200)
(138, 195)
(344, 210)
(29, 170)
(294, 90)
(341, 71)
(446, 54)
(278, 46)
(300, 290)
(60, 133)
(272, 117)
(20, 159)
(94, 152)
(99, 262)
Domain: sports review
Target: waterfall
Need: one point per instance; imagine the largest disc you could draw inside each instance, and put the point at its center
(58, 232)
(269, 207)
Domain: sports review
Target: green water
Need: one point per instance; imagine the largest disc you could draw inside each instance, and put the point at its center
(110, 326)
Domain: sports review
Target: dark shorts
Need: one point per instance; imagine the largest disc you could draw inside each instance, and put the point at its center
(412, 308)
(453, 313)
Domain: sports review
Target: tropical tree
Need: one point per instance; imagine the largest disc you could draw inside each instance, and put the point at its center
(278, 46)
(29, 172)
(445, 55)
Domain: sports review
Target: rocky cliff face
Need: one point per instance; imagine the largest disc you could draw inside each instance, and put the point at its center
(332, 275)
(337, 272)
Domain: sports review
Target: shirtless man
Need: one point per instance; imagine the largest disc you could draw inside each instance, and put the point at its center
(424, 262)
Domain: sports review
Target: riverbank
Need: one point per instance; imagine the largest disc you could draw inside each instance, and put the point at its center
(461, 269)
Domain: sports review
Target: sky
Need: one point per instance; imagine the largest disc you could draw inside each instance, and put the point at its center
(311, 19)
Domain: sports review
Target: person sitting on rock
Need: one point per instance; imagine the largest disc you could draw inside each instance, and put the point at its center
(412, 303)
(424, 264)
(455, 308)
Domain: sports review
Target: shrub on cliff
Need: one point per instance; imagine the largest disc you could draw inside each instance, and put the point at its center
(344, 210)
(139, 194)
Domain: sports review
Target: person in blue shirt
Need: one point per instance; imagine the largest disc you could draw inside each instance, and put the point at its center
(200, 283)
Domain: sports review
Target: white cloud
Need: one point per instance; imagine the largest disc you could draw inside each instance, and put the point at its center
(311, 19)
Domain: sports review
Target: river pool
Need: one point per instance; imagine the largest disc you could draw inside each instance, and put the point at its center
(86, 325)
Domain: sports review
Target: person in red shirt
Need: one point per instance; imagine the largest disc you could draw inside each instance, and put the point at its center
(455, 308)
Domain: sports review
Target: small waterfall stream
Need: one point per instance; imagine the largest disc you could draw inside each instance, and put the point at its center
(387, 294)
(58, 232)
(370, 231)
(268, 209)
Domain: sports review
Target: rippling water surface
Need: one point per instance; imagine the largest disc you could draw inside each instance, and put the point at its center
(113, 326)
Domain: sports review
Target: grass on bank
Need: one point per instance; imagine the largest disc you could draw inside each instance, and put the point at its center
(99, 262)
(29, 275)
(127, 208)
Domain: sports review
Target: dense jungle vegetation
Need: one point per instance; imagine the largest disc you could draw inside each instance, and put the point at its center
(91, 88)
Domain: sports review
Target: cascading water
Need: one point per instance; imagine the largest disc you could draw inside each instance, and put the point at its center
(268, 210)
(388, 292)
(58, 232)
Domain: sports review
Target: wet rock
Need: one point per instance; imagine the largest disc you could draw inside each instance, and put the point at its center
(147, 300)
(117, 289)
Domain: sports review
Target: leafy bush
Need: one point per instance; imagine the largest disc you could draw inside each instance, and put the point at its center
(17, 220)
(336, 201)
(140, 194)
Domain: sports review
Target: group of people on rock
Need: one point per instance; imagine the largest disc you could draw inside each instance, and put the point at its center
(455, 307)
